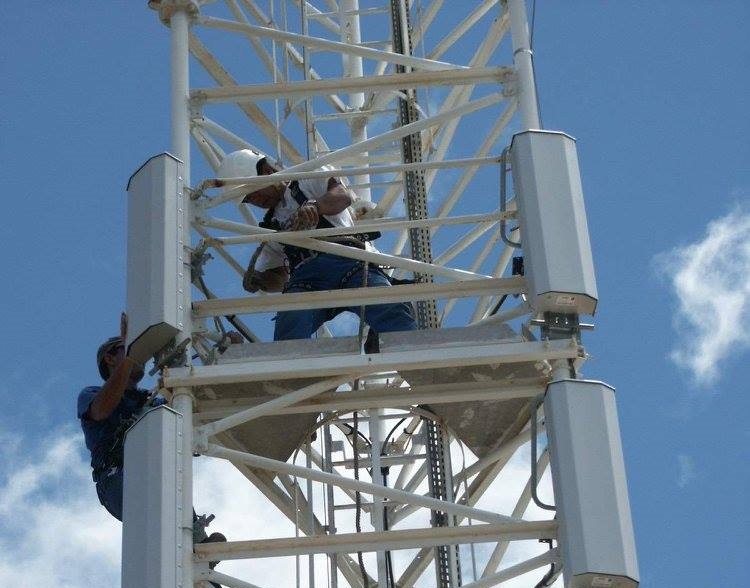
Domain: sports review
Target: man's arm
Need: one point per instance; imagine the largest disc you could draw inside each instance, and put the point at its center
(336, 199)
(107, 399)
(271, 280)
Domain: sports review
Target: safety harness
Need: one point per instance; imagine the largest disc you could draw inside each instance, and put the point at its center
(111, 458)
(296, 255)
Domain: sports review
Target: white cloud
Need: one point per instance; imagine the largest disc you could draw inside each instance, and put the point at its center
(686, 470)
(54, 531)
(711, 279)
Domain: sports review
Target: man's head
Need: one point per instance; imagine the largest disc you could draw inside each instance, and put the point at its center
(247, 163)
(109, 354)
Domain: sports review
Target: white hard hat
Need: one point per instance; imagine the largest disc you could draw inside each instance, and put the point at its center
(240, 164)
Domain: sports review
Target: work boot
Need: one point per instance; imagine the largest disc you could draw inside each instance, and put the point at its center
(214, 538)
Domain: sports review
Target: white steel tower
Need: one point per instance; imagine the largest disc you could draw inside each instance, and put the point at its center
(400, 467)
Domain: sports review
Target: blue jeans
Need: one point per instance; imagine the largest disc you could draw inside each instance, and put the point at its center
(331, 272)
(109, 491)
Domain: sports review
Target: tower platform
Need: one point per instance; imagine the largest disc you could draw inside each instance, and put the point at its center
(476, 380)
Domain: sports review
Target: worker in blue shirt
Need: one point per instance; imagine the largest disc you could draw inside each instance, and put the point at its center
(106, 412)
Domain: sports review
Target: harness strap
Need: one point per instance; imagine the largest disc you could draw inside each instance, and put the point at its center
(297, 255)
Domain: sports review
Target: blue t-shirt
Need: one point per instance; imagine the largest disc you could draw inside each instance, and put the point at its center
(102, 436)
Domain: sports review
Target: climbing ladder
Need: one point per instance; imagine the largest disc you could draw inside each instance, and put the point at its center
(360, 451)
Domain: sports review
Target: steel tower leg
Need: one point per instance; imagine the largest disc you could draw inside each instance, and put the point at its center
(523, 61)
(351, 33)
(183, 399)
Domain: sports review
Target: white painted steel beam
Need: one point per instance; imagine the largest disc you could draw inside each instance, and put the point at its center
(424, 21)
(333, 365)
(220, 131)
(376, 258)
(325, 44)
(378, 540)
(518, 510)
(301, 89)
(296, 58)
(391, 398)
(257, 182)
(388, 224)
(271, 406)
(456, 97)
(460, 30)
(334, 157)
(489, 245)
(505, 451)
(263, 480)
(523, 59)
(545, 559)
(225, 255)
(252, 111)
(281, 467)
(356, 296)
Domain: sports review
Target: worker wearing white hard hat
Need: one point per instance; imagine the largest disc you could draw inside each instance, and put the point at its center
(308, 204)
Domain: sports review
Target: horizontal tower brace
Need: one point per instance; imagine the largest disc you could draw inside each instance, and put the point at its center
(333, 365)
(389, 398)
(357, 296)
(257, 182)
(390, 224)
(374, 257)
(447, 77)
(374, 541)
(325, 44)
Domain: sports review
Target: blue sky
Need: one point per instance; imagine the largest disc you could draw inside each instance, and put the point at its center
(656, 94)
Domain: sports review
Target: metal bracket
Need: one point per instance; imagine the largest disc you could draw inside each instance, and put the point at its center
(534, 474)
(170, 357)
(166, 8)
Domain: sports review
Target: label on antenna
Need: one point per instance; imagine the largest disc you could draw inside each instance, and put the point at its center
(566, 300)
(601, 582)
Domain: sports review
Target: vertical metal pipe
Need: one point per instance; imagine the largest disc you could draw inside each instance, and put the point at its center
(328, 461)
(181, 149)
(524, 64)
(351, 33)
(180, 89)
(311, 507)
(183, 399)
(183, 403)
(309, 125)
(376, 440)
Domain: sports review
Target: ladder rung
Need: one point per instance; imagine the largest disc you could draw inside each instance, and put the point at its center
(360, 12)
(365, 506)
(385, 460)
